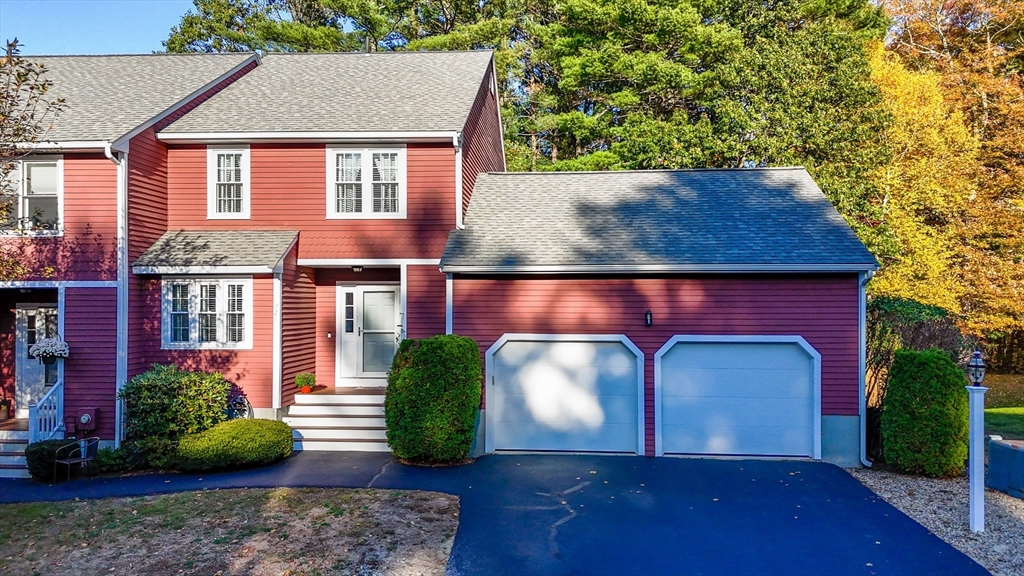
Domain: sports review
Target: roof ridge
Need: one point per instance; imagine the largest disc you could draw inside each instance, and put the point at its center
(380, 53)
(657, 170)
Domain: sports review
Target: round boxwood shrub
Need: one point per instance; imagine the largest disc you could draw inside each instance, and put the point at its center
(169, 403)
(924, 414)
(235, 444)
(433, 398)
(41, 458)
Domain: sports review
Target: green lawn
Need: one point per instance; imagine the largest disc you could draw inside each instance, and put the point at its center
(1004, 405)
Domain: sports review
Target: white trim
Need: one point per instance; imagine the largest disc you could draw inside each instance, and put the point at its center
(121, 366)
(59, 284)
(862, 340)
(212, 152)
(360, 377)
(63, 145)
(61, 303)
(342, 262)
(516, 337)
(753, 339)
(21, 197)
(193, 313)
(458, 184)
(449, 296)
(395, 137)
(497, 106)
(194, 270)
(624, 268)
(277, 358)
(366, 172)
(122, 142)
(403, 290)
(279, 267)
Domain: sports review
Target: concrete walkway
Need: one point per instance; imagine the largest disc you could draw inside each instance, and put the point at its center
(590, 514)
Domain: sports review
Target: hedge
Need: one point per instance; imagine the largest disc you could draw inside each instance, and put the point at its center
(41, 458)
(924, 414)
(235, 444)
(433, 398)
(169, 403)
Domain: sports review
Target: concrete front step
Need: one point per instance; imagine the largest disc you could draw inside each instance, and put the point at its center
(362, 396)
(13, 446)
(340, 433)
(14, 435)
(13, 460)
(341, 445)
(14, 472)
(334, 421)
(373, 410)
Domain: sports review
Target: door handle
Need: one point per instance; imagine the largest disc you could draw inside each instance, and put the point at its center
(360, 331)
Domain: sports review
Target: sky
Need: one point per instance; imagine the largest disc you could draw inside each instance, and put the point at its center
(90, 26)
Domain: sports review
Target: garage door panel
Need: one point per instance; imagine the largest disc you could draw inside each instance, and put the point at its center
(738, 440)
(742, 398)
(610, 438)
(772, 412)
(794, 383)
(575, 396)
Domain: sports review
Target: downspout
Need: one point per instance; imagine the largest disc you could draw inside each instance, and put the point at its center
(121, 365)
(862, 309)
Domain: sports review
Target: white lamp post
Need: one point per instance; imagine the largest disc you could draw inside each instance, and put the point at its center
(976, 454)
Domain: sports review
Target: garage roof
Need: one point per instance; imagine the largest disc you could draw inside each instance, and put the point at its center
(721, 220)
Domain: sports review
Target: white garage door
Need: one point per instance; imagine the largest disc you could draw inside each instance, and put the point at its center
(739, 398)
(578, 396)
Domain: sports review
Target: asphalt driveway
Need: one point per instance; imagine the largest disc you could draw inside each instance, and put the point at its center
(553, 514)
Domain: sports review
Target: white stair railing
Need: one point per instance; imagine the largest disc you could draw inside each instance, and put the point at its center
(46, 419)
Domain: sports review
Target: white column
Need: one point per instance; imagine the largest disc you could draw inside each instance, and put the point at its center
(976, 457)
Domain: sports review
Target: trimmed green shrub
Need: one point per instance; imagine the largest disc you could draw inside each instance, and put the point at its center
(168, 403)
(235, 444)
(924, 414)
(433, 398)
(111, 460)
(41, 457)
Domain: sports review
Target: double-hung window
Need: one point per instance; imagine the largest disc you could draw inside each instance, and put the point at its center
(366, 183)
(34, 204)
(227, 177)
(207, 313)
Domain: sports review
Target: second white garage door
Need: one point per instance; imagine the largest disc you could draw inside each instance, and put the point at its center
(577, 396)
(739, 396)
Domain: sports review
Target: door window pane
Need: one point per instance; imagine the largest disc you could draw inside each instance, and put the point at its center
(379, 311)
(378, 350)
(350, 312)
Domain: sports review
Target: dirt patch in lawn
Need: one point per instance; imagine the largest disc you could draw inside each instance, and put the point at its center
(275, 531)
(1004, 390)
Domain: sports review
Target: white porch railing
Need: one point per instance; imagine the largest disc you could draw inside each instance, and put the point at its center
(46, 419)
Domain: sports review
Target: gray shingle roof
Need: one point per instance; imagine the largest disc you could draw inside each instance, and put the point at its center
(378, 92)
(771, 219)
(216, 248)
(108, 96)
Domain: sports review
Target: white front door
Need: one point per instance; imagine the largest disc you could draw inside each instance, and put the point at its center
(31, 378)
(370, 325)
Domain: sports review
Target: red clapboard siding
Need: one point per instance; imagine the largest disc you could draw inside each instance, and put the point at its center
(289, 191)
(298, 325)
(482, 148)
(88, 248)
(822, 309)
(425, 292)
(327, 280)
(90, 329)
(249, 369)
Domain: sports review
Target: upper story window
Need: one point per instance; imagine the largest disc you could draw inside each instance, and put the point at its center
(36, 201)
(227, 177)
(207, 313)
(366, 183)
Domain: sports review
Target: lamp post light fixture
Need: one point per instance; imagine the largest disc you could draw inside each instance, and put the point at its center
(976, 448)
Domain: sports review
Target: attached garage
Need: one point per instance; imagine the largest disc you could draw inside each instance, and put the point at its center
(565, 393)
(738, 396)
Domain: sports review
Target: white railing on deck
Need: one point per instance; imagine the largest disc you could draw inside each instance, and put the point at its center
(46, 419)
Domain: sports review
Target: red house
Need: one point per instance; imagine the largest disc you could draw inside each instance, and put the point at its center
(265, 217)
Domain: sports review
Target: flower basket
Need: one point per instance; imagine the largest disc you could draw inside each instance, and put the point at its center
(49, 350)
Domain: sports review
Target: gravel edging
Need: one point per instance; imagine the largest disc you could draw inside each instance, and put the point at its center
(941, 506)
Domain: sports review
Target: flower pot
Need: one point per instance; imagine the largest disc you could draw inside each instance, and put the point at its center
(48, 360)
(306, 389)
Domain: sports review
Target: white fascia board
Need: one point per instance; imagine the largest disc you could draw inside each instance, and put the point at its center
(63, 145)
(397, 137)
(659, 268)
(121, 143)
(343, 262)
(59, 284)
(192, 270)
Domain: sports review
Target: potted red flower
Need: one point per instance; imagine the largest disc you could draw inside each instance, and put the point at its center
(305, 382)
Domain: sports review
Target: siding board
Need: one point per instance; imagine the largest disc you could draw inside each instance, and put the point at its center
(298, 325)
(90, 372)
(822, 309)
(482, 148)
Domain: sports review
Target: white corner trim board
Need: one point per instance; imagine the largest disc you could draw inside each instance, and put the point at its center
(518, 337)
(747, 339)
(277, 357)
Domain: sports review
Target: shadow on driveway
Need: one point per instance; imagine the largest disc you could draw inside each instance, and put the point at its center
(591, 514)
